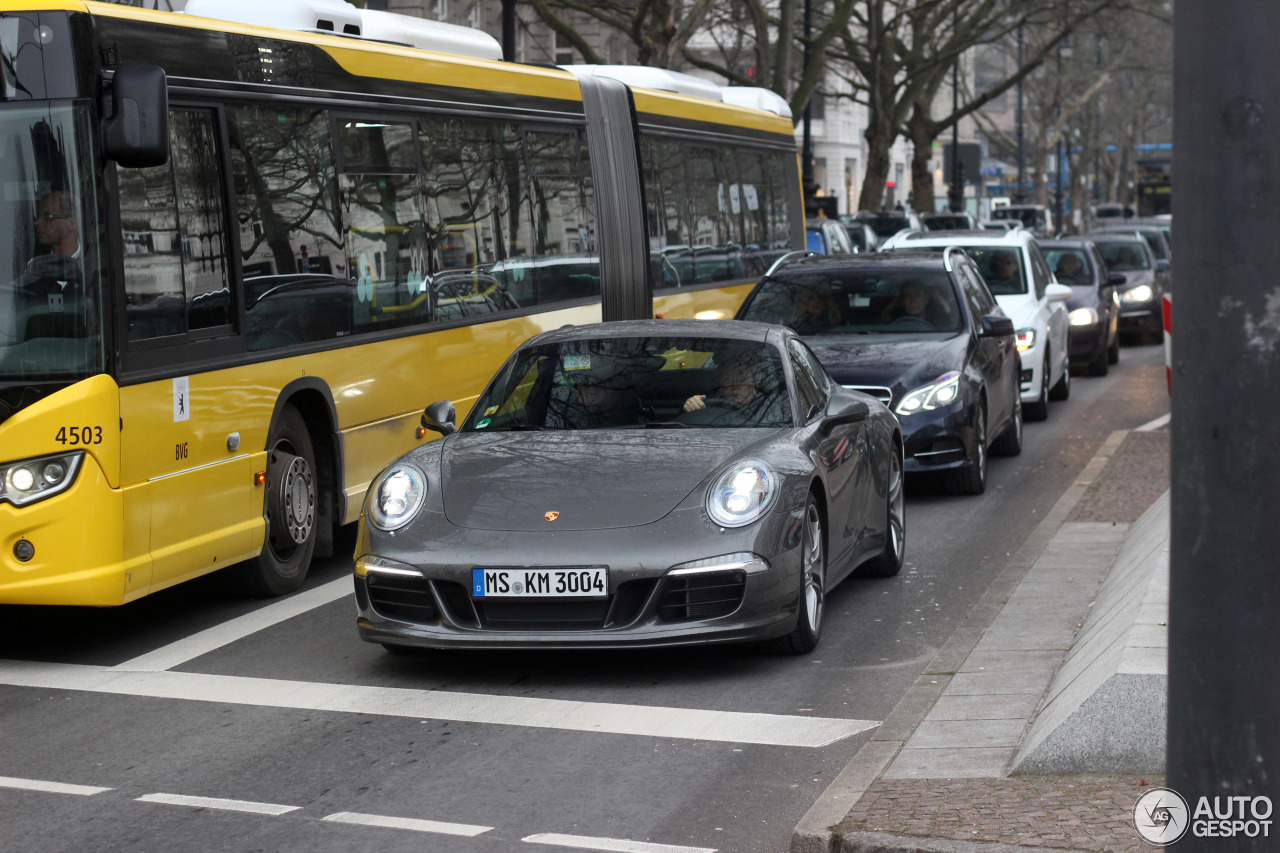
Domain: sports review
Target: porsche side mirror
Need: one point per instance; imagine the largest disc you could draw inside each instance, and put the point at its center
(1058, 292)
(996, 326)
(439, 416)
(842, 411)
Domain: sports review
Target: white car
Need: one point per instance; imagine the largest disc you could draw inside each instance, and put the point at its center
(1019, 278)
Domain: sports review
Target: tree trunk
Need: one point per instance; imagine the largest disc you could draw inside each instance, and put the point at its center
(922, 132)
(877, 169)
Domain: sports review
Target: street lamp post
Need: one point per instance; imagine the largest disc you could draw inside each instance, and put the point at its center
(1019, 194)
(956, 196)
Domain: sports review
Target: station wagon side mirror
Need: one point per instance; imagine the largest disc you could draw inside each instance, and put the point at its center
(996, 326)
(1162, 265)
(440, 417)
(1116, 279)
(137, 133)
(844, 410)
(1058, 292)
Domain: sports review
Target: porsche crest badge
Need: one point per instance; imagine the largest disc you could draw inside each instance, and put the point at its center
(551, 516)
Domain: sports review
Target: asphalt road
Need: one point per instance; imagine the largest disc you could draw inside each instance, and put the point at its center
(197, 721)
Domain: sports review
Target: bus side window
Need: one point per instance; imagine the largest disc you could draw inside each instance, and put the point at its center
(171, 217)
(289, 241)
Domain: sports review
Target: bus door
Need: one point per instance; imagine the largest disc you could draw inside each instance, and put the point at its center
(186, 439)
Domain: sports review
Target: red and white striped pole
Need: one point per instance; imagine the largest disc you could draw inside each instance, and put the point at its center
(1166, 302)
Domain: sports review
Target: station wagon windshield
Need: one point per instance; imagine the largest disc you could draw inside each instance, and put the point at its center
(841, 303)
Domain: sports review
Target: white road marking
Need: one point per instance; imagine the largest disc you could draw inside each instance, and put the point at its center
(616, 845)
(219, 804)
(50, 787)
(407, 823)
(1152, 426)
(565, 715)
(189, 648)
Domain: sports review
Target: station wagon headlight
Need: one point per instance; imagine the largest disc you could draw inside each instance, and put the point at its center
(1141, 293)
(1083, 317)
(32, 480)
(942, 391)
(742, 494)
(397, 497)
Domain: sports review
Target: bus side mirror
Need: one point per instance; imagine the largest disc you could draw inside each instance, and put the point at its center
(137, 133)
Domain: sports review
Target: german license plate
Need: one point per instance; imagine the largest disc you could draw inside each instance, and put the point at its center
(568, 582)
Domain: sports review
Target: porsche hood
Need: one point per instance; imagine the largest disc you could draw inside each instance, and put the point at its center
(579, 480)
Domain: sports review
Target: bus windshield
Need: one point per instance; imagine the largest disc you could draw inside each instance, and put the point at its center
(50, 311)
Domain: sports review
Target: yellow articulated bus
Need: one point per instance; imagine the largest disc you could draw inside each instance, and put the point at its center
(242, 255)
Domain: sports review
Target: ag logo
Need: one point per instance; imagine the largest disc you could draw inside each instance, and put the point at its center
(551, 516)
(1161, 816)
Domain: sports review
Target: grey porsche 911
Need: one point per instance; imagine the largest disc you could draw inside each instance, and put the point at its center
(635, 484)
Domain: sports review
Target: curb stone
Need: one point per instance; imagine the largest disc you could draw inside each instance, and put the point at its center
(816, 830)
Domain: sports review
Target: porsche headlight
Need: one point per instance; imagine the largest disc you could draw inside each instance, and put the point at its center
(1083, 317)
(942, 391)
(397, 497)
(742, 494)
(32, 480)
(1141, 293)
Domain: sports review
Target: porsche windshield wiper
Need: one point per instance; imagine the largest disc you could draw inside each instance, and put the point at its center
(665, 425)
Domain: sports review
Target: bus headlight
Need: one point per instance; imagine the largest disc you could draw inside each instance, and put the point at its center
(742, 494)
(32, 480)
(397, 497)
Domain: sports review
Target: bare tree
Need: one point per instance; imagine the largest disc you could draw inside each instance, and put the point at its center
(659, 29)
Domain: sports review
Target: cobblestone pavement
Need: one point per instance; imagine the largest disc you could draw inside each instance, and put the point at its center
(1086, 813)
(1059, 813)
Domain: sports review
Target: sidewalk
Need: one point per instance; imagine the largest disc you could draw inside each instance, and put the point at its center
(936, 774)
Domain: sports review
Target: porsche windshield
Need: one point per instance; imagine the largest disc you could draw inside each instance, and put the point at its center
(50, 316)
(852, 302)
(637, 383)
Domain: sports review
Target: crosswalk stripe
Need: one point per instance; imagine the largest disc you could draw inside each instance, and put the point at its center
(218, 804)
(566, 715)
(409, 823)
(613, 845)
(50, 787)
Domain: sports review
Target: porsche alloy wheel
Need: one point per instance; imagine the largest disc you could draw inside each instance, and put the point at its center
(813, 569)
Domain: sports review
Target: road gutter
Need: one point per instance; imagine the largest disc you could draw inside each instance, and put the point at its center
(815, 831)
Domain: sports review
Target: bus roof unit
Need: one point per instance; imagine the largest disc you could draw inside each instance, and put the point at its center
(341, 18)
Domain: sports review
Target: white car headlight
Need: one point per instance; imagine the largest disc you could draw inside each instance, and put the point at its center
(942, 391)
(32, 480)
(1141, 293)
(1083, 317)
(397, 496)
(742, 494)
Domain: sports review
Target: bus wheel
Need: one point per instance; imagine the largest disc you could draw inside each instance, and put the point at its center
(291, 510)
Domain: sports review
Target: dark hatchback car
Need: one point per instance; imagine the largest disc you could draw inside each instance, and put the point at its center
(1145, 282)
(921, 332)
(635, 484)
(1094, 306)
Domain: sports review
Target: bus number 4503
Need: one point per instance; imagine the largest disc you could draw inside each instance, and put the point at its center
(79, 435)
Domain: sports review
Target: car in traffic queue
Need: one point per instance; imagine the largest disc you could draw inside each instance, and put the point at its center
(1156, 235)
(885, 223)
(1094, 307)
(949, 220)
(860, 234)
(1145, 282)
(635, 484)
(828, 237)
(923, 334)
(1017, 275)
